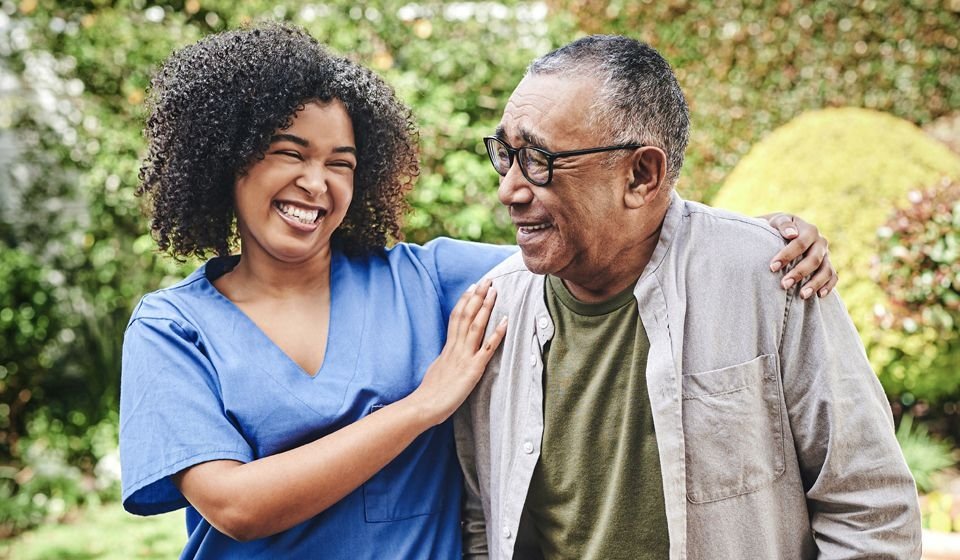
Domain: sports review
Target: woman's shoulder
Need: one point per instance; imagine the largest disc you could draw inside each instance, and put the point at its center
(444, 253)
(177, 302)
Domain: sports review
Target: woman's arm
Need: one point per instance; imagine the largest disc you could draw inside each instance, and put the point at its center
(248, 501)
(805, 239)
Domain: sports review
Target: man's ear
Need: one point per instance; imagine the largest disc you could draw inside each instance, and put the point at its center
(647, 176)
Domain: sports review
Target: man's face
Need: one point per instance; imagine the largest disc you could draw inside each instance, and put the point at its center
(571, 227)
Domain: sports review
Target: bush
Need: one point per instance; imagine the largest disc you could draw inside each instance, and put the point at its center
(28, 330)
(845, 170)
(919, 263)
(925, 456)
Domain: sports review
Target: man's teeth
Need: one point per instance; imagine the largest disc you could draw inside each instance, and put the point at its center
(299, 214)
(528, 229)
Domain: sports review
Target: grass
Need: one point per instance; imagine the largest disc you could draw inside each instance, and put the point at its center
(103, 533)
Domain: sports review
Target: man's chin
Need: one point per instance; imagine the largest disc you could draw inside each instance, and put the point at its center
(536, 263)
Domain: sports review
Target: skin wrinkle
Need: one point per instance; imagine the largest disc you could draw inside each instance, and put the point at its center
(591, 263)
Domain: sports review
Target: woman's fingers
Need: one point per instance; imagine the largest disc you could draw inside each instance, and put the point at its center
(819, 282)
(470, 308)
(785, 224)
(803, 237)
(457, 312)
(493, 341)
(814, 270)
(478, 326)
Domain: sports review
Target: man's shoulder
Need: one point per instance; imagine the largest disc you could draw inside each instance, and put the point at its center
(712, 229)
(512, 276)
(511, 269)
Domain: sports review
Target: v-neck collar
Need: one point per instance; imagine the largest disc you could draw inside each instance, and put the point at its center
(345, 329)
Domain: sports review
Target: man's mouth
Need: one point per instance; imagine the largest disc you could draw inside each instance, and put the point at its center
(534, 227)
(299, 214)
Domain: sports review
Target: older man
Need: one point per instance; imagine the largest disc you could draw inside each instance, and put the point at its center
(658, 395)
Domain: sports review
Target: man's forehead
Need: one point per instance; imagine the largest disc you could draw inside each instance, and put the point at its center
(543, 106)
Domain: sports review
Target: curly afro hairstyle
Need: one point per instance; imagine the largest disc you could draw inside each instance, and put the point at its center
(214, 107)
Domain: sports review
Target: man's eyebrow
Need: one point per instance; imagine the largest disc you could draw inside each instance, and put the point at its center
(532, 138)
(289, 138)
(529, 137)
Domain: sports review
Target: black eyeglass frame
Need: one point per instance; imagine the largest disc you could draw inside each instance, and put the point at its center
(514, 154)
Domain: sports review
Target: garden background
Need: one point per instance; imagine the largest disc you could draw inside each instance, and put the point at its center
(765, 81)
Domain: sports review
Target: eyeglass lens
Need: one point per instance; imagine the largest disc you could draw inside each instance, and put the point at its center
(533, 163)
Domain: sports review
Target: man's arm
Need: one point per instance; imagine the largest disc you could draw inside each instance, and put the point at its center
(860, 494)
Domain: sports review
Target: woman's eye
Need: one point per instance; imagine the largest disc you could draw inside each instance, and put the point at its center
(289, 153)
(348, 164)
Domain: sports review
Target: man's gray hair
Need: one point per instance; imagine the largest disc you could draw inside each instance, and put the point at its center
(638, 97)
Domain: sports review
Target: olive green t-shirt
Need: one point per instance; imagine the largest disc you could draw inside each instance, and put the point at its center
(596, 493)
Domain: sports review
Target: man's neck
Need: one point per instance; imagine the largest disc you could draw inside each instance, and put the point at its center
(603, 282)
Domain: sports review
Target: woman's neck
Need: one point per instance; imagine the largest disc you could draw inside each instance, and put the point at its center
(258, 276)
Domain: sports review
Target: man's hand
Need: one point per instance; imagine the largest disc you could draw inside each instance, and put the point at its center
(814, 271)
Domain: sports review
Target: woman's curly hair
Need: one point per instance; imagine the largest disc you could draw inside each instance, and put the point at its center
(216, 104)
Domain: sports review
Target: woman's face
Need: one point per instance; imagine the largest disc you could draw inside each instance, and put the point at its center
(289, 203)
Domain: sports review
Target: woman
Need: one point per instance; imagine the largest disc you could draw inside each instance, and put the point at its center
(295, 398)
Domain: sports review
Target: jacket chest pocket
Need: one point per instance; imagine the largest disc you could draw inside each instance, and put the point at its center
(733, 430)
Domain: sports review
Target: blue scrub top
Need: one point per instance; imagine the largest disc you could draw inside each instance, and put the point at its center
(202, 382)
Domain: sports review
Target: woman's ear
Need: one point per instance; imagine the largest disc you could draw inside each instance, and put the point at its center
(648, 172)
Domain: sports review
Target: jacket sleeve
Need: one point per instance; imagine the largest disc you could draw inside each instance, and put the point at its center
(473, 524)
(860, 494)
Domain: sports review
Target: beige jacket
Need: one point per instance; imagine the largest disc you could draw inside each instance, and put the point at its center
(775, 438)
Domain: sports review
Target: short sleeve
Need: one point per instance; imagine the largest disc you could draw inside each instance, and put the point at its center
(171, 414)
(457, 264)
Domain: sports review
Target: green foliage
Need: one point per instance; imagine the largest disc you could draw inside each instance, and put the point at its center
(28, 328)
(104, 533)
(926, 457)
(919, 263)
(844, 169)
(747, 67)
(59, 468)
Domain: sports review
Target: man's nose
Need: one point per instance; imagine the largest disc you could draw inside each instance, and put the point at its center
(514, 187)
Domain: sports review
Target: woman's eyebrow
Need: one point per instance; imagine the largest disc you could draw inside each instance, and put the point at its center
(306, 143)
(289, 138)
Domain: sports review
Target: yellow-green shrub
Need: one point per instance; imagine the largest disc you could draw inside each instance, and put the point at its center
(846, 170)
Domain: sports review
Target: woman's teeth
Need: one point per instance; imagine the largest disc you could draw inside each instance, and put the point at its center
(301, 215)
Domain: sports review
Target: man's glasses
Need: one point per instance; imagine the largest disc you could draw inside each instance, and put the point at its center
(536, 164)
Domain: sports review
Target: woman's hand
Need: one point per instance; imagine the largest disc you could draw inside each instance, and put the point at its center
(454, 374)
(815, 267)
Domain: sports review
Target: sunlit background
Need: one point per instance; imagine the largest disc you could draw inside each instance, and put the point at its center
(847, 113)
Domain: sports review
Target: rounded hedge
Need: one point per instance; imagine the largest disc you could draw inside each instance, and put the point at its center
(846, 170)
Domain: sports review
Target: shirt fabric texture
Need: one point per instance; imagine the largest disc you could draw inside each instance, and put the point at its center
(201, 382)
(774, 435)
(596, 493)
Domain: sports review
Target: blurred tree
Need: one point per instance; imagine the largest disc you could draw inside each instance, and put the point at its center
(749, 66)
